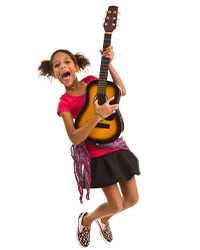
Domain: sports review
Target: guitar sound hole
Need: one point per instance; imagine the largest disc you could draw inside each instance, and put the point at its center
(101, 99)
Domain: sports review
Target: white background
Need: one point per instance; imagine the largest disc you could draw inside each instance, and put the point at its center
(157, 55)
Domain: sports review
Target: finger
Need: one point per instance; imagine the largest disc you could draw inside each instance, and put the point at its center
(96, 103)
(104, 53)
(109, 48)
(107, 52)
(115, 109)
(110, 99)
(115, 106)
(109, 55)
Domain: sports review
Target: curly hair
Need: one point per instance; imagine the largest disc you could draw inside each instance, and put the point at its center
(46, 66)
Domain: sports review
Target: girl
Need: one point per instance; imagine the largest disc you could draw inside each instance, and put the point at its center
(108, 164)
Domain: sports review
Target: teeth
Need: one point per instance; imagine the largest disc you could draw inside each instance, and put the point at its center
(65, 76)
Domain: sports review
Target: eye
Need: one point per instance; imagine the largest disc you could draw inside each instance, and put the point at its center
(67, 61)
(56, 65)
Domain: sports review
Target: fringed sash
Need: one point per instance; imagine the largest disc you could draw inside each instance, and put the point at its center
(81, 159)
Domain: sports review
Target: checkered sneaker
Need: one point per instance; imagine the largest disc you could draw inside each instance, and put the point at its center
(105, 231)
(83, 233)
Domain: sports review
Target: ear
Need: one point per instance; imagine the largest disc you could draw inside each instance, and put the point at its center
(77, 68)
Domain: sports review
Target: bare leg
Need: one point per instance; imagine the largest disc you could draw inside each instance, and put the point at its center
(130, 196)
(113, 205)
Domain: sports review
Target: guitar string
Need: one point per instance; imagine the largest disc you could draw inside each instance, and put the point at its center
(102, 84)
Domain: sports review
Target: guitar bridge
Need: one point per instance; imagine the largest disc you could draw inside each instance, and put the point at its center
(103, 125)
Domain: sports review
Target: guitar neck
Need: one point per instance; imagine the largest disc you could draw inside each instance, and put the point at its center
(103, 75)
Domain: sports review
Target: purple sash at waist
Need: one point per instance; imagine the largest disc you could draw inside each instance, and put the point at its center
(82, 160)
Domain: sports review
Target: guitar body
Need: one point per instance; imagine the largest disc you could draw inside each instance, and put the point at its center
(108, 130)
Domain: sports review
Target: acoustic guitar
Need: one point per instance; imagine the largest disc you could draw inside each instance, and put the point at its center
(110, 129)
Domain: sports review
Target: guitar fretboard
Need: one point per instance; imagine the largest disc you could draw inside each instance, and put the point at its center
(103, 75)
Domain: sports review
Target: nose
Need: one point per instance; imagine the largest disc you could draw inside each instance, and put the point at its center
(63, 66)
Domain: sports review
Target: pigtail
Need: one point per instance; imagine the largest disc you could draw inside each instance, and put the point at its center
(82, 61)
(45, 69)
(46, 66)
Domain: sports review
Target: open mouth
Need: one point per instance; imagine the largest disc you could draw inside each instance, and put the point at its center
(65, 76)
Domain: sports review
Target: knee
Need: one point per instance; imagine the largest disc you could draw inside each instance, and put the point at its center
(131, 201)
(116, 206)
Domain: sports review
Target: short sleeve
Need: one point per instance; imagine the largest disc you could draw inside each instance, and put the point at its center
(90, 78)
(63, 106)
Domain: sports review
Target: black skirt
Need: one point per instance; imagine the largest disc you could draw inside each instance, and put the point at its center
(111, 168)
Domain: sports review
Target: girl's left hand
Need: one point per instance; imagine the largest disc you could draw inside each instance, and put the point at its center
(108, 53)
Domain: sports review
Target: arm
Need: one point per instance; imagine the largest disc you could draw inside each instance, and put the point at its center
(117, 79)
(79, 135)
(109, 53)
(76, 136)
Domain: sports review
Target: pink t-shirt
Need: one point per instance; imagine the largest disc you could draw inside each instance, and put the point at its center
(73, 105)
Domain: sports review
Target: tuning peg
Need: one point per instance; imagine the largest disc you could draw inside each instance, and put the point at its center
(106, 11)
(104, 18)
(118, 19)
(119, 13)
(118, 25)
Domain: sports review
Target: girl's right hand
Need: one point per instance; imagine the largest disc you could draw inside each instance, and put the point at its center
(106, 109)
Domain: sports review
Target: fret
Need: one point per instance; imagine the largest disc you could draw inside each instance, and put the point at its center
(103, 74)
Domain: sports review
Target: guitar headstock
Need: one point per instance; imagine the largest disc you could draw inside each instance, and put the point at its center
(111, 19)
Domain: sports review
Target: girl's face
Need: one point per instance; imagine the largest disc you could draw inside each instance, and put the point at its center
(64, 69)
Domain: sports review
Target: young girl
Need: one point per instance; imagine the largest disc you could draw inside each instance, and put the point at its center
(104, 165)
